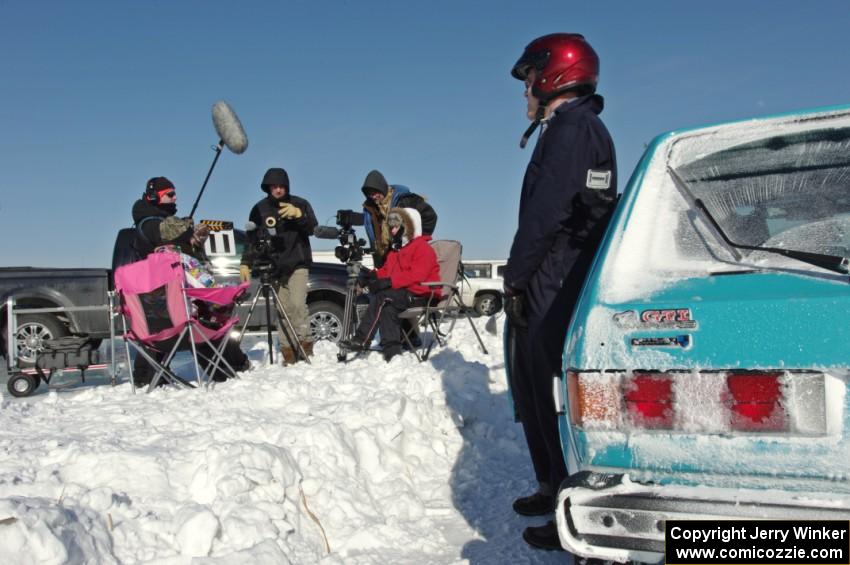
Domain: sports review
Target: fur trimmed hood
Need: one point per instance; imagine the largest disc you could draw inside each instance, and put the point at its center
(410, 219)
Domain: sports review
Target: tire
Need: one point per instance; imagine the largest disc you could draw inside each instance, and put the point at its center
(487, 303)
(325, 320)
(32, 330)
(23, 384)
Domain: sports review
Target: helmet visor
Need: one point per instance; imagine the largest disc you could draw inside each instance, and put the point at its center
(529, 60)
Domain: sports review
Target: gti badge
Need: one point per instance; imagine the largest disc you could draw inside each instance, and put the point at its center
(669, 318)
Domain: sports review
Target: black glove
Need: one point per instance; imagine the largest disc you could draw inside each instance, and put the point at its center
(366, 277)
(515, 310)
(379, 284)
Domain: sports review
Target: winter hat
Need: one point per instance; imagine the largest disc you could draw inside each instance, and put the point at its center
(274, 176)
(375, 182)
(156, 186)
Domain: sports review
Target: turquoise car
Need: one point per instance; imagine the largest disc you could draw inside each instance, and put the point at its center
(706, 366)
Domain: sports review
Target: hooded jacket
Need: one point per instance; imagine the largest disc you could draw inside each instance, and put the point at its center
(290, 239)
(413, 263)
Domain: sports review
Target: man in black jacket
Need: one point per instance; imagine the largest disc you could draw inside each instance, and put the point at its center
(157, 224)
(154, 216)
(289, 220)
(568, 195)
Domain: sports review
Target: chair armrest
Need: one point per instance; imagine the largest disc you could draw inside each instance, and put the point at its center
(223, 295)
(436, 284)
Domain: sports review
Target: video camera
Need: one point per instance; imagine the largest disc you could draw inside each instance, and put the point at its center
(351, 248)
(262, 245)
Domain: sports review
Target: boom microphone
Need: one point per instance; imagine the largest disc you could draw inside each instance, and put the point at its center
(230, 133)
(229, 128)
(326, 232)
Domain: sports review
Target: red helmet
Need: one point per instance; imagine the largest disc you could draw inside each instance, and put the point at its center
(564, 61)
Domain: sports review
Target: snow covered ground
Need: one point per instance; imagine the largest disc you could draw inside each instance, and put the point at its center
(365, 462)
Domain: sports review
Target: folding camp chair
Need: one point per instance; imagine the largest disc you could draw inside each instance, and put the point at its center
(448, 305)
(153, 298)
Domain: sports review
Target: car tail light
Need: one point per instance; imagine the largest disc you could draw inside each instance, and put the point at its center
(699, 401)
(594, 399)
(649, 400)
(755, 402)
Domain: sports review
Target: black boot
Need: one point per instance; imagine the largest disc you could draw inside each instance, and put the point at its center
(543, 537)
(391, 351)
(535, 505)
(353, 344)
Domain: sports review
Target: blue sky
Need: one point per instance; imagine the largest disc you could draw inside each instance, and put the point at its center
(96, 97)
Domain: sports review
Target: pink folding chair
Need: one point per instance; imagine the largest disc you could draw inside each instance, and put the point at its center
(153, 298)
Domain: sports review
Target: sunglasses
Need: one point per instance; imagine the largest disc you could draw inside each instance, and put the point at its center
(170, 194)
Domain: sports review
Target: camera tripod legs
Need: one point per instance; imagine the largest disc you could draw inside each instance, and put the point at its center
(353, 269)
(282, 322)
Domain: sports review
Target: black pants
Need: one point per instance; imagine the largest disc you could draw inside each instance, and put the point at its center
(535, 366)
(538, 357)
(382, 314)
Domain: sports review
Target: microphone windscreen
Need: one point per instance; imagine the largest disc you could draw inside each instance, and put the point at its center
(326, 232)
(250, 226)
(228, 127)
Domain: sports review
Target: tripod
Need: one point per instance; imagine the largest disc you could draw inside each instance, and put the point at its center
(352, 269)
(284, 325)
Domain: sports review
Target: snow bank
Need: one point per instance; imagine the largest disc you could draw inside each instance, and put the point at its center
(365, 462)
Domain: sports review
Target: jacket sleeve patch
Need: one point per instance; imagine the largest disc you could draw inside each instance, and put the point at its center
(598, 180)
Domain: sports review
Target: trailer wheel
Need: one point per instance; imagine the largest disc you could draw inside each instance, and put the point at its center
(23, 384)
(33, 329)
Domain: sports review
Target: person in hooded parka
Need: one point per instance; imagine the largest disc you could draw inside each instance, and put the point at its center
(397, 284)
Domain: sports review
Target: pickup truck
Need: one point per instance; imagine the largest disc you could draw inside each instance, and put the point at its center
(481, 286)
(73, 288)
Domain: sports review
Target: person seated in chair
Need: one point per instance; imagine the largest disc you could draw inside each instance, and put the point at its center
(157, 226)
(397, 285)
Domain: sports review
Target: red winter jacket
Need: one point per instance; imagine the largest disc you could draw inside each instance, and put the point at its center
(411, 265)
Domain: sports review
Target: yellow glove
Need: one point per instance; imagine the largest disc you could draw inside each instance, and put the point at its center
(244, 273)
(289, 211)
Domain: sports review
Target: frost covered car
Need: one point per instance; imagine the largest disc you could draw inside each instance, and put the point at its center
(707, 363)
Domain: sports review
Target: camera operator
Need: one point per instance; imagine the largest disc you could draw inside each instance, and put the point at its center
(157, 225)
(285, 222)
(380, 197)
(397, 285)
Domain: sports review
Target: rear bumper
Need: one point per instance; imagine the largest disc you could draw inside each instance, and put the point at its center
(609, 517)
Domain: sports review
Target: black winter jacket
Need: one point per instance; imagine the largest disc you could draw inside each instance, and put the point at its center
(568, 195)
(151, 238)
(290, 238)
